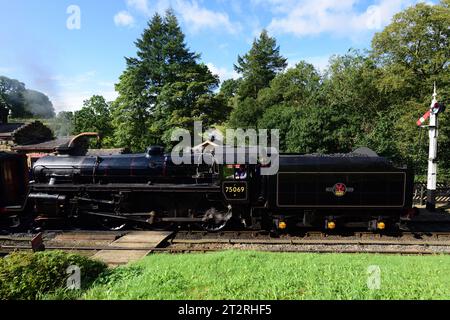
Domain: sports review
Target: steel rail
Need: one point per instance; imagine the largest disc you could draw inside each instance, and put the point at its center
(406, 243)
(312, 242)
(189, 249)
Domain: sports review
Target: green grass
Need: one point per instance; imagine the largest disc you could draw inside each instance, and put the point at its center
(31, 276)
(257, 275)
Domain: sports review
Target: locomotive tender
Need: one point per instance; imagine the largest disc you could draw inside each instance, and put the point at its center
(325, 191)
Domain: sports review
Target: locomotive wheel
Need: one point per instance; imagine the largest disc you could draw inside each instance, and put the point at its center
(215, 221)
(213, 227)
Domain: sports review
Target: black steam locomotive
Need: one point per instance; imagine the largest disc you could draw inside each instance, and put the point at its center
(334, 191)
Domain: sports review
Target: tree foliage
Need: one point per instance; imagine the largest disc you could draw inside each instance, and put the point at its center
(163, 87)
(95, 116)
(229, 88)
(260, 65)
(413, 53)
(22, 102)
(38, 104)
(320, 130)
(258, 68)
(12, 92)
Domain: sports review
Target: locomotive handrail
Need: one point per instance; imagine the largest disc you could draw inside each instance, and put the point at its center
(45, 167)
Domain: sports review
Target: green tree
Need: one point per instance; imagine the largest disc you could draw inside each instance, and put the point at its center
(351, 85)
(297, 87)
(321, 130)
(279, 117)
(383, 135)
(138, 88)
(12, 92)
(211, 109)
(413, 53)
(259, 66)
(229, 88)
(38, 104)
(95, 116)
(288, 93)
(350, 90)
(24, 103)
(163, 87)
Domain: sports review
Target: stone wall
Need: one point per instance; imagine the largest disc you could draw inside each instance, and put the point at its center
(32, 133)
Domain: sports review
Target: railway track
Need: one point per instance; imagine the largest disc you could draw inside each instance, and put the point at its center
(311, 237)
(90, 243)
(317, 242)
(90, 251)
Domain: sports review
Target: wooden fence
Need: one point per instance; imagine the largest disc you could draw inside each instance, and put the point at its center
(442, 193)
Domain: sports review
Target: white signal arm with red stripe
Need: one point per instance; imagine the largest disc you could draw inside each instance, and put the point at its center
(424, 118)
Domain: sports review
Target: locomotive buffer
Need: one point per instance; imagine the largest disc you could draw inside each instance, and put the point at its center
(435, 109)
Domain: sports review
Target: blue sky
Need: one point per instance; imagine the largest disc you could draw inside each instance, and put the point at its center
(71, 64)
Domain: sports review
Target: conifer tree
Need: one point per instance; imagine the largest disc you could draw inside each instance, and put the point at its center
(259, 66)
(161, 87)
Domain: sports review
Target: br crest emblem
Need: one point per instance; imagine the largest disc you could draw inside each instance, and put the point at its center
(340, 190)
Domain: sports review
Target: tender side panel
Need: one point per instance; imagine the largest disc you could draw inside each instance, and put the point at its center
(341, 189)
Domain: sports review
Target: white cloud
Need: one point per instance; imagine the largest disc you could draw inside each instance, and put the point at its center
(223, 73)
(74, 81)
(73, 100)
(197, 17)
(192, 14)
(73, 90)
(124, 19)
(147, 8)
(139, 5)
(341, 18)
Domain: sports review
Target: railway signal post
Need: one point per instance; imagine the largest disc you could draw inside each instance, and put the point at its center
(433, 115)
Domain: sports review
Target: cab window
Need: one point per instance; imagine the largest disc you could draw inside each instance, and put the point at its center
(236, 172)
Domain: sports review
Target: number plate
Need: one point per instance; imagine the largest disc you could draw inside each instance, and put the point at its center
(235, 190)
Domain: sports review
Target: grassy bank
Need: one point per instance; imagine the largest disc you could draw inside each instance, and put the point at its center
(28, 276)
(256, 275)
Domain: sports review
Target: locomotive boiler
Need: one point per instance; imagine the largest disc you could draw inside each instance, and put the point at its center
(143, 188)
